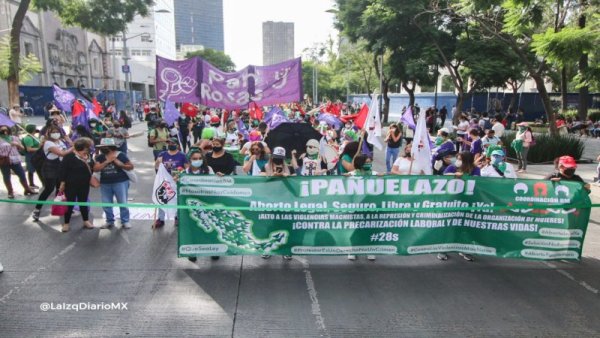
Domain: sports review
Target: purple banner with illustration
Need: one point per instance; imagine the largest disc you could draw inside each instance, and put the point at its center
(196, 80)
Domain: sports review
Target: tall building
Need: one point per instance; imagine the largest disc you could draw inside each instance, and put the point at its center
(200, 23)
(278, 42)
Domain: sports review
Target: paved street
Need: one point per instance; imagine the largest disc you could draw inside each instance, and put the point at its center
(251, 297)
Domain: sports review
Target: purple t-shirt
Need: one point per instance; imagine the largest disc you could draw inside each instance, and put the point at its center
(173, 161)
(452, 170)
(477, 147)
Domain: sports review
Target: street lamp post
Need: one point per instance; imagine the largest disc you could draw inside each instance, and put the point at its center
(380, 57)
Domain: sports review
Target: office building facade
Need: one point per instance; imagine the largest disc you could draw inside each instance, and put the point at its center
(278, 42)
(199, 22)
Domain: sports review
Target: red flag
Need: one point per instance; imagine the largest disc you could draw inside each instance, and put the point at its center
(362, 116)
(189, 109)
(97, 107)
(255, 111)
(225, 117)
(299, 106)
(77, 109)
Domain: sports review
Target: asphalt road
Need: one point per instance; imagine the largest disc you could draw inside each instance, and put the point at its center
(251, 297)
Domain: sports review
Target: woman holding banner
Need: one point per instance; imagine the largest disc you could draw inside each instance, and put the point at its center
(363, 166)
(221, 161)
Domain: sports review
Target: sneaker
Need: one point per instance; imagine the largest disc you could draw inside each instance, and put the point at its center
(214, 258)
(442, 256)
(65, 228)
(351, 257)
(35, 215)
(1, 268)
(158, 224)
(287, 257)
(125, 226)
(192, 259)
(371, 257)
(265, 256)
(107, 226)
(466, 257)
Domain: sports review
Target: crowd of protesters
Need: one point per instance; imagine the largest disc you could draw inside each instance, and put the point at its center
(70, 161)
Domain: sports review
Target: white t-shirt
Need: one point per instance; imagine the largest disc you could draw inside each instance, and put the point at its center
(403, 165)
(498, 129)
(15, 116)
(50, 144)
(462, 127)
(489, 171)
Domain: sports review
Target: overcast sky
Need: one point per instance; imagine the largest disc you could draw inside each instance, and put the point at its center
(244, 18)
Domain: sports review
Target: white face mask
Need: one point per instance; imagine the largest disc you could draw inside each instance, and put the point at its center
(458, 163)
(55, 136)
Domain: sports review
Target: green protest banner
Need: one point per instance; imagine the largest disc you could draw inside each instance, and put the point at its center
(392, 215)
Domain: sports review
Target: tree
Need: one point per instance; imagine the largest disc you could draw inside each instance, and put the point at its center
(215, 57)
(29, 64)
(106, 17)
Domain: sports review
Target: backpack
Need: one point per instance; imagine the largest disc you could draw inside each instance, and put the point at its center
(487, 124)
(532, 137)
(38, 158)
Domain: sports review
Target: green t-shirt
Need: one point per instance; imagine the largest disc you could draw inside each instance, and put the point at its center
(30, 142)
(160, 134)
(346, 158)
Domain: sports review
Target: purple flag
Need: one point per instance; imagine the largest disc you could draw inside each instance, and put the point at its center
(171, 112)
(6, 121)
(63, 98)
(242, 128)
(365, 149)
(408, 118)
(277, 120)
(330, 119)
(269, 115)
(196, 80)
(89, 108)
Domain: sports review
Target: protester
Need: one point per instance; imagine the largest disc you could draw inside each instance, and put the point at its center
(208, 133)
(405, 165)
(173, 160)
(219, 160)
(309, 163)
(345, 162)
(490, 139)
(394, 141)
(476, 144)
(231, 135)
(498, 167)
(197, 126)
(442, 160)
(31, 144)
(184, 124)
(362, 167)
(464, 166)
(159, 137)
(114, 181)
(276, 167)
(75, 175)
(461, 131)
(152, 119)
(255, 163)
(97, 130)
(10, 160)
(55, 148)
(498, 127)
(566, 172)
(120, 134)
(521, 145)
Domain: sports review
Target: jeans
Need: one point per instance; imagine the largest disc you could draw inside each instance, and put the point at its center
(120, 191)
(522, 158)
(391, 155)
(18, 170)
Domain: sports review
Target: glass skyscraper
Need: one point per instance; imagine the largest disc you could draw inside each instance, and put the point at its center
(199, 22)
(278, 42)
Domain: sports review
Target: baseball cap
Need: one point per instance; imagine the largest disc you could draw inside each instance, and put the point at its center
(108, 142)
(445, 130)
(567, 162)
(279, 152)
(214, 119)
(498, 153)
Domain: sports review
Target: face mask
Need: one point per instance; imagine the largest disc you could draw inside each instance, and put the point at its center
(93, 125)
(197, 163)
(348, 126)
(569, 172)
(367, 166)
(496, 160)
(105, 151)
(521, 129)
(278, 161)
(458, 163)
(217, 149)
(439, 140)
(312, 150)
(55, 136)
(172, 147)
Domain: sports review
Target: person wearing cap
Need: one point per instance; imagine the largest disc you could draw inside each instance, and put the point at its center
(120, 134)
(566, 172)
(174, 161)
(521, 144)
(55, 148)
(31, 145)
(114, 181)
(394, 142)
(159, 137)
(309, 163)
(498, 167)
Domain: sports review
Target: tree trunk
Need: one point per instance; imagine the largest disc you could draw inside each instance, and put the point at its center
(539, 82)
(15, 53)
(460, 98)
(563, 90)
(411, 94)
(582, 110)
(513, 99)
(386, 102)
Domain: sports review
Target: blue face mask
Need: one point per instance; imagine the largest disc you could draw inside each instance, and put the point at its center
(197, 163)
(496, 160)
